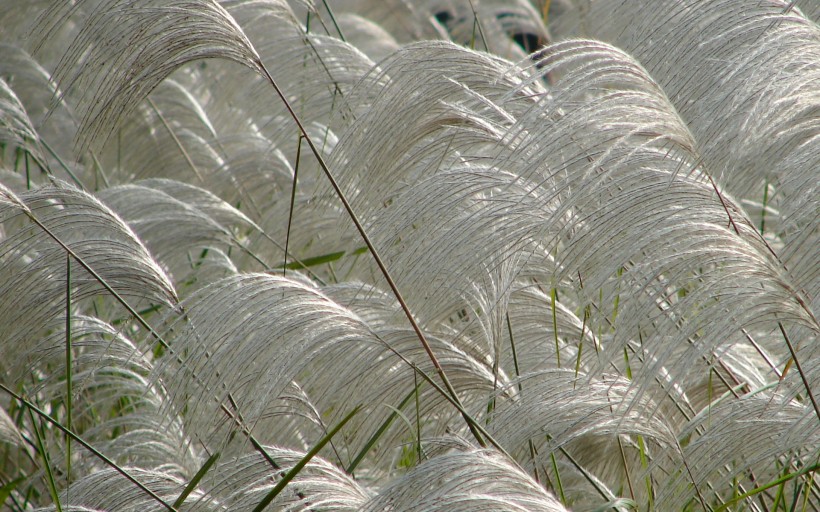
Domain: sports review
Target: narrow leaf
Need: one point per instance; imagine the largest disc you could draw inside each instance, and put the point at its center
(301, 464)
(196, 479)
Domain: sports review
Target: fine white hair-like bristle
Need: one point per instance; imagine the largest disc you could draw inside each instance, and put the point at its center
(409, 255)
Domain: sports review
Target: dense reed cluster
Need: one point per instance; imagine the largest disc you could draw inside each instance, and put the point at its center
(395, 255)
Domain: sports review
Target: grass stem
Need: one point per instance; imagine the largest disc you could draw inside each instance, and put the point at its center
(382, 267)
(68, 366)
(31, 407)
(290, 475)
(799, 370)
(292, 202)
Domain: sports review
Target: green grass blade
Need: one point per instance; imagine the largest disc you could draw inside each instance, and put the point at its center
(7, 489)
(251, 438)
(644, 465)
(381, 430)
(626, 364)
(618, 504)
(324, 258)
(28, 172)
(31, 407)
(418, 417)
(774, 483)
(554, 299)
(333, 19)
(580, 347)
(476, 427)
(292, 202)
(765, 205)
(533, 452)
(290, 475)
(477, 25)
(68, 365)
(807, 493)
(558, 479)
(65, 167)
(52, 485)
(196, 479)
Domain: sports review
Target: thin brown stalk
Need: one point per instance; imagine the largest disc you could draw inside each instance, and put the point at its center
(382, 267)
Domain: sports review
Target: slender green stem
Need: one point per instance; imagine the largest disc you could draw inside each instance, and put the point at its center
(31, 407)
(559, 484)
(603, 492)
(533, 453)
(41, 447)
(65, 167)
(98, 170)
(290, 475)
(626, 468)
(808, 485)
(648, 481)
(380, 431)
(778, 497)
(333, 19)
(774, 483)
(477, 24)
(246, 431)
(196, 479)
(239, 421)
(580, 346)
(554, 300)
(458, 406)
(418, 417)
(28, 175)
(765, 205)
(68, 364)
(627, 365)
(292, 202)
(512, 349)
